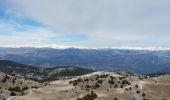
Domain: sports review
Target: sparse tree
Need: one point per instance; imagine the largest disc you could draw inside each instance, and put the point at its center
(13, 93)
(143, 94)
(116, 86)
(136, 86)
(138, 92)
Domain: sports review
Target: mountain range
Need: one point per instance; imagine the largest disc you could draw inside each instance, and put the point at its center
(139, 61)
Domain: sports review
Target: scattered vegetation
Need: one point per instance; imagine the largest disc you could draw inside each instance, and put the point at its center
(13, 80)
(17, 89)
(136, 86)
(115, 98)
(91, 96)
(5, 78)
(100, 81)
(48, 79)
(143, 94)
(13, 94)
(25, 88)
(138, 92)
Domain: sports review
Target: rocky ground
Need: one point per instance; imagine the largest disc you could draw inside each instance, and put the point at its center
(102, 86)
(14, 85)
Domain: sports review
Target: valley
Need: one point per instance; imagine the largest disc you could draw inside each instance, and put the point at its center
(24, 82)
(137, 61)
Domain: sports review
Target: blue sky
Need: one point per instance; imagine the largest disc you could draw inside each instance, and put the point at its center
(85, 23)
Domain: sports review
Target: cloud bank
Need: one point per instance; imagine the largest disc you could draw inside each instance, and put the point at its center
(95, 23)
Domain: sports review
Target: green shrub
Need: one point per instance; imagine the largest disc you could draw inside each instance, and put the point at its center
(13, 94)
(4, 80)
(112, 82)
(100, 81)
(104, 76)
(35, 87)
(91, 96)
(116, 86)
(121, 86)
(17, 89)
(111, 77)
(126, 82)
(96, 86)
(75, 83)
(87, 86)
(25, 88)
(136, 86)
(143, 94)
(86, 79)
(7, 77)
(137, 91)
(13, 80)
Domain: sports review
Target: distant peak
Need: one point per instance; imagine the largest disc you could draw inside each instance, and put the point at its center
(78, 47)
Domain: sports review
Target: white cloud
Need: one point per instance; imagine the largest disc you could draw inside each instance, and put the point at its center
(106, 22)
(32, 37)
(94, 15)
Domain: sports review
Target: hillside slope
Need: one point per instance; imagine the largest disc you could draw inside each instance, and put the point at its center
(104, 86)
(32, 72)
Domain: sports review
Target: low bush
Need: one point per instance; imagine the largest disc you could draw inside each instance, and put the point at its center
(91, 96)
(17, 89)
(12, 94)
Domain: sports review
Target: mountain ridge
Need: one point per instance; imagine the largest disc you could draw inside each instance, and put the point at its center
(150, 48)
(11, 67)
(140, 61)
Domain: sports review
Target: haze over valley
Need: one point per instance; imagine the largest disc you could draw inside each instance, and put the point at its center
(138, 61)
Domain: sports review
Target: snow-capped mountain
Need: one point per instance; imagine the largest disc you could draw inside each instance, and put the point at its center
(141, 60)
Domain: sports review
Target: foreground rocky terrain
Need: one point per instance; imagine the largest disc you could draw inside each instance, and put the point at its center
(102, 86)
(16, 85)
(19, 79)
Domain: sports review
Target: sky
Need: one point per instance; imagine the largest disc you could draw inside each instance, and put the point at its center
(85, 23)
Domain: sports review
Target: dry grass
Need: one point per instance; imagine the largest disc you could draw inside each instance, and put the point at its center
(62, 90)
